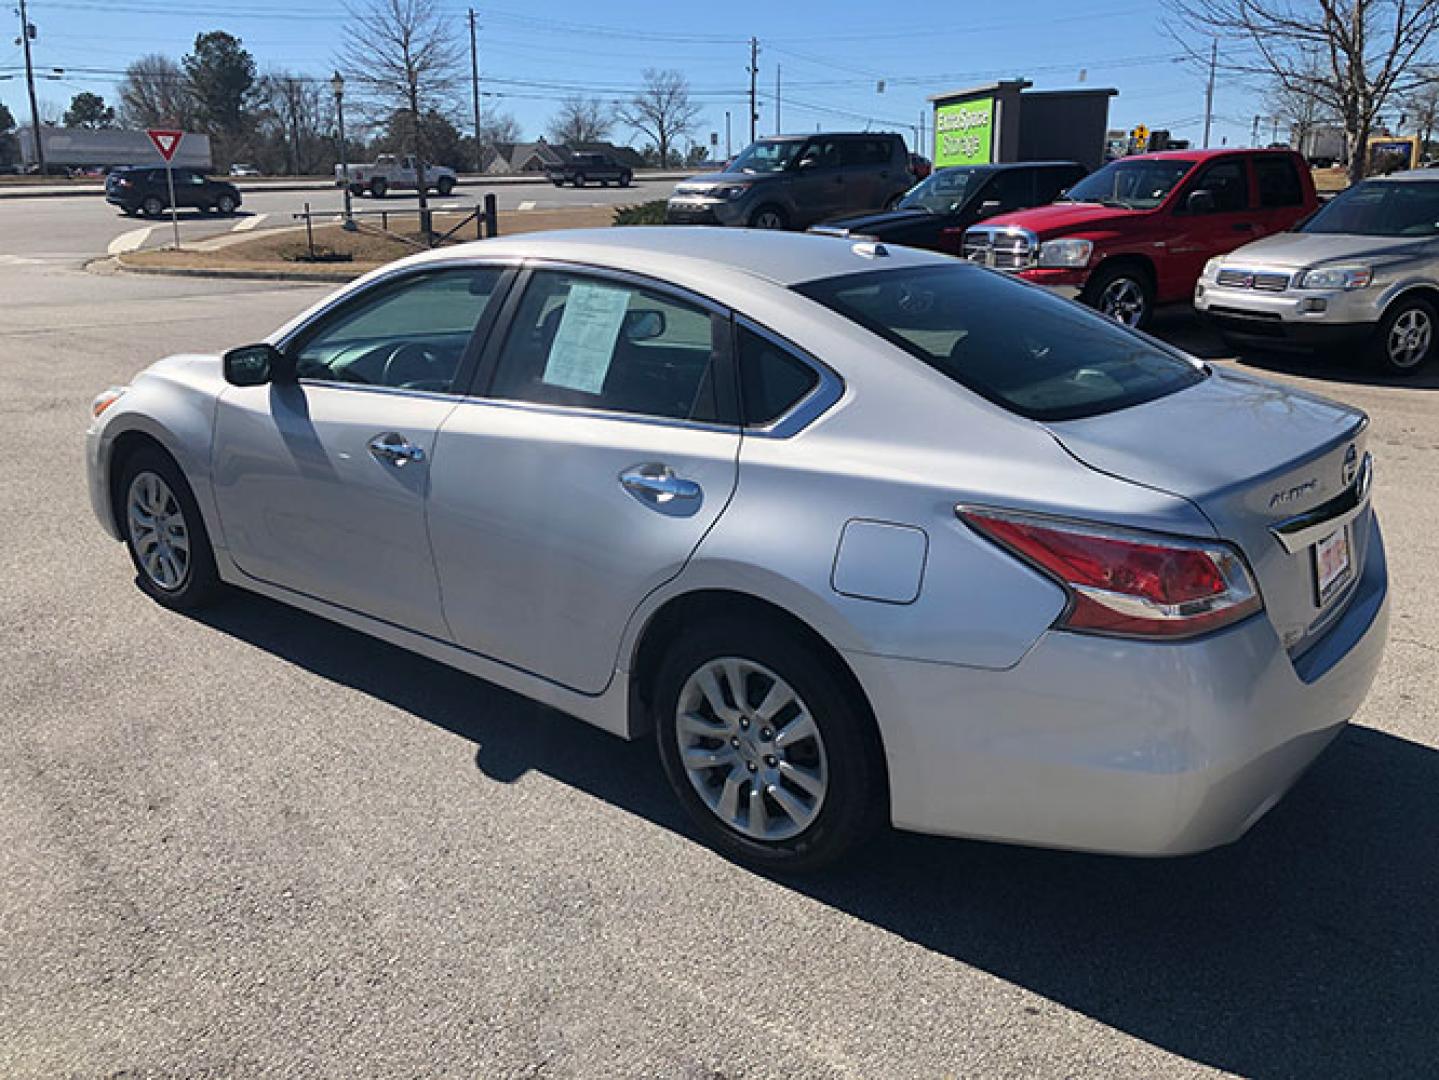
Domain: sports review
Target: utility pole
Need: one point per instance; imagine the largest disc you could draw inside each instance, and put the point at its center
(778, 127)
(1209, 91)
(26, 33)
(728, 152)
(753, 74)
(1254, 134)
(475, 93)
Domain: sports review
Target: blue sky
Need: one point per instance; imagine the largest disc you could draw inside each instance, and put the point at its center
(831, 54)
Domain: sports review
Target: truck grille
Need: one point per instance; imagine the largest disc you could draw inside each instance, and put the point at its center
(1002, 248)
(1259, 280)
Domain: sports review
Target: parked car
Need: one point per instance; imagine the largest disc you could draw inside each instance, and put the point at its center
(792, 182)
(930, 565)
(144, 189)
(920, 166)
(389, 172)
(1363, 272)
(581, 168)
(241, 169)
(935, 213)
(1138, 232)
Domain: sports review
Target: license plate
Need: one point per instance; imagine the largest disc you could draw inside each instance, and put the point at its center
(1331, 565)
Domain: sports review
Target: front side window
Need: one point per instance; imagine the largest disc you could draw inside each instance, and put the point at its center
(766, 156)
(410, 334)
(944, 191)
(1131, 185)
(601, 344)
(1381, 208)
(1029, 352)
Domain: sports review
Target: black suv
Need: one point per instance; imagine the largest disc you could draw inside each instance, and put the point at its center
(935, 213)
(143, 190)
(790, 182)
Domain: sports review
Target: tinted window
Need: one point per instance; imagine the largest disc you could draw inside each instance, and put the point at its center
(1018, 346)
(821, 152)
(1381, 208)
(1013, 189)
(1133, 185)
(772, 380)
(1050, 182)
(1278, 182)
(410, 334)
(599, 344)
(766, 157)
(1228, 183)
(944, 191)
(865, 151)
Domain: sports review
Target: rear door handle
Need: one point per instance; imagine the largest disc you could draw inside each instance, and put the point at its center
(1243, 226)
(657, 485)
(394, 449)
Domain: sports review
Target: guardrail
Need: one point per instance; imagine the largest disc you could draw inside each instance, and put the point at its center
(485, 216)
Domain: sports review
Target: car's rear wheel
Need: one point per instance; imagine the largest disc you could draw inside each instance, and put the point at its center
(225, 204)
(1404, 340)
(625, 179)
(581, 179)
(378, 187)
(1124, 293)
(765, 747)
(164, 532)
(769, 216)
(153, 206)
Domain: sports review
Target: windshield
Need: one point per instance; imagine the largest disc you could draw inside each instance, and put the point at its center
(943, 192)
(766, 157)
(1030, 352)
(1381, 208)
(1133, 185)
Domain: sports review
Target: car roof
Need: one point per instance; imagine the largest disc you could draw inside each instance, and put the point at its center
(1409, 176)
(1200, 155)
(698, 257)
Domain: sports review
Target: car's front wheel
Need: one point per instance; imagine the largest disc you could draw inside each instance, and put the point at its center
(1124, 293)
(769, 216)
(164, 532)
(153, 206)
(769, 752)
(445, 186)
(378, 187)
(226, 204)
(1404, 339)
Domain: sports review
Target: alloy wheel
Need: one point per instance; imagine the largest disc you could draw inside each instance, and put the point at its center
(1123, 301)
(1409, 338)
(158, 531)
(768, 219)
(751, 749)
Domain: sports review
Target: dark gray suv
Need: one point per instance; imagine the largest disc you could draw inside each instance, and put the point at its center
(791, 182)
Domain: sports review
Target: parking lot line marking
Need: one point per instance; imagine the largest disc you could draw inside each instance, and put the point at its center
(528, 204)
(249, 223)
(130, 241)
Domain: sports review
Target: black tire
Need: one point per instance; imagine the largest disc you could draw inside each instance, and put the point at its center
(604, 183)
(378, 186)
(226, 205)
(1124, 292)
(199, 583)
(853, 804)
(626, 179)
(153, 206)
(445, 185)
(769, 216)
(581, 179)
(1406, 317)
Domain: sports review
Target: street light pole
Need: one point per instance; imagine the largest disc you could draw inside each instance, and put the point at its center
(26, 33)
(337, 84)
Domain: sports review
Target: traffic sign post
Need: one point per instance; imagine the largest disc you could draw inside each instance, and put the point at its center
(166, 143)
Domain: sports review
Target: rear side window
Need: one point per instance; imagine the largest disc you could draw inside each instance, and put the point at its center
(772, 380)
(1032, 353)
(1278, 182)
(1050, 182)
(865, 151)
(1227, 182)
(1013, 189)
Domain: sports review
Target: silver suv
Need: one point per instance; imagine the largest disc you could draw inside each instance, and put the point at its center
(793, 182)
(1362, 272)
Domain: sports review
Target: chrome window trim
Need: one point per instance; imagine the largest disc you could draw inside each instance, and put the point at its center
(370, 388)
(820, 399)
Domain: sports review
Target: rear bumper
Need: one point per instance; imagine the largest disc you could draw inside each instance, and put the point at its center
(1126, 747)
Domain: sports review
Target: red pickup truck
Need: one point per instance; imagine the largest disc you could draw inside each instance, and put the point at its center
(1138, 232)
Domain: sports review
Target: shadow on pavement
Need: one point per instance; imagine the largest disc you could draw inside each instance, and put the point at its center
(1310, 948)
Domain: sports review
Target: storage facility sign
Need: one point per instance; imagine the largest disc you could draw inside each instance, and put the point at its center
(964, 133)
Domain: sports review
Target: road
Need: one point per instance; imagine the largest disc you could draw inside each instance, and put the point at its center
(57, 230)
(258, 844)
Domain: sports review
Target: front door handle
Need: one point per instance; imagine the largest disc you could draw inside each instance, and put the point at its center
(658, 485)
(394, 449)
(1243, 226)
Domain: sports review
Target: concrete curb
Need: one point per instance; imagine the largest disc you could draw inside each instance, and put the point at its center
(21, 191)
(115, 264)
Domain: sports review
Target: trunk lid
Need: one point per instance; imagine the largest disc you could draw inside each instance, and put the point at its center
(1249, 454)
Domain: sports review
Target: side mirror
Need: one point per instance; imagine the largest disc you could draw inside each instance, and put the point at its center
(1201, 202)
(989, 208)
(255, 365)
(645, 324)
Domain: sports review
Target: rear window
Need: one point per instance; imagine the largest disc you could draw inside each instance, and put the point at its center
(1030, 352)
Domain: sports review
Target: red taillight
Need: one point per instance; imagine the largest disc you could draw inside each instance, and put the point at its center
(1128, 583)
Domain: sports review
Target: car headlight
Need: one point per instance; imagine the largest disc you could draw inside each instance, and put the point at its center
(1211, 268)
(729, 191)
(1065, 253)
(1336, 277)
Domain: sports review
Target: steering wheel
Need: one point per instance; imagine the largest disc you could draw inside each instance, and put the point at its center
(414, 367)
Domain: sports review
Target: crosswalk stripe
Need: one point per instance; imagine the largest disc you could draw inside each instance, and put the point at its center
(528, 204)
(249, 223)
(129, 241)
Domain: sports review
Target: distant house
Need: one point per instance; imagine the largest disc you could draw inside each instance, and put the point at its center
(529, 157)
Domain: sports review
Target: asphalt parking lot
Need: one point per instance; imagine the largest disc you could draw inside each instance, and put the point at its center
(259, 844)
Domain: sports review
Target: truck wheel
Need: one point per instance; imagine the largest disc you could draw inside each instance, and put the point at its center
(581, 179)
(769, 216)
(378, 187)
(1122, 292)
(445, 185)
(625, 179)
(604, 183)
(1404, 339)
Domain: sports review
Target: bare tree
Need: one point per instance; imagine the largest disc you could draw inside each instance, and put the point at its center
(662, 111)
(156, 93)
(294, 113)
(1295, 104)
(1422, 104)
(406, 57)
(1368, 50)
(581, 120)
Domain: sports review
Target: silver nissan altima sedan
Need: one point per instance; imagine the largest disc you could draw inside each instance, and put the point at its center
(860, 534)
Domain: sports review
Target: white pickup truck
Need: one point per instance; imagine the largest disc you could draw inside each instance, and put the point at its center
(391, 172)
